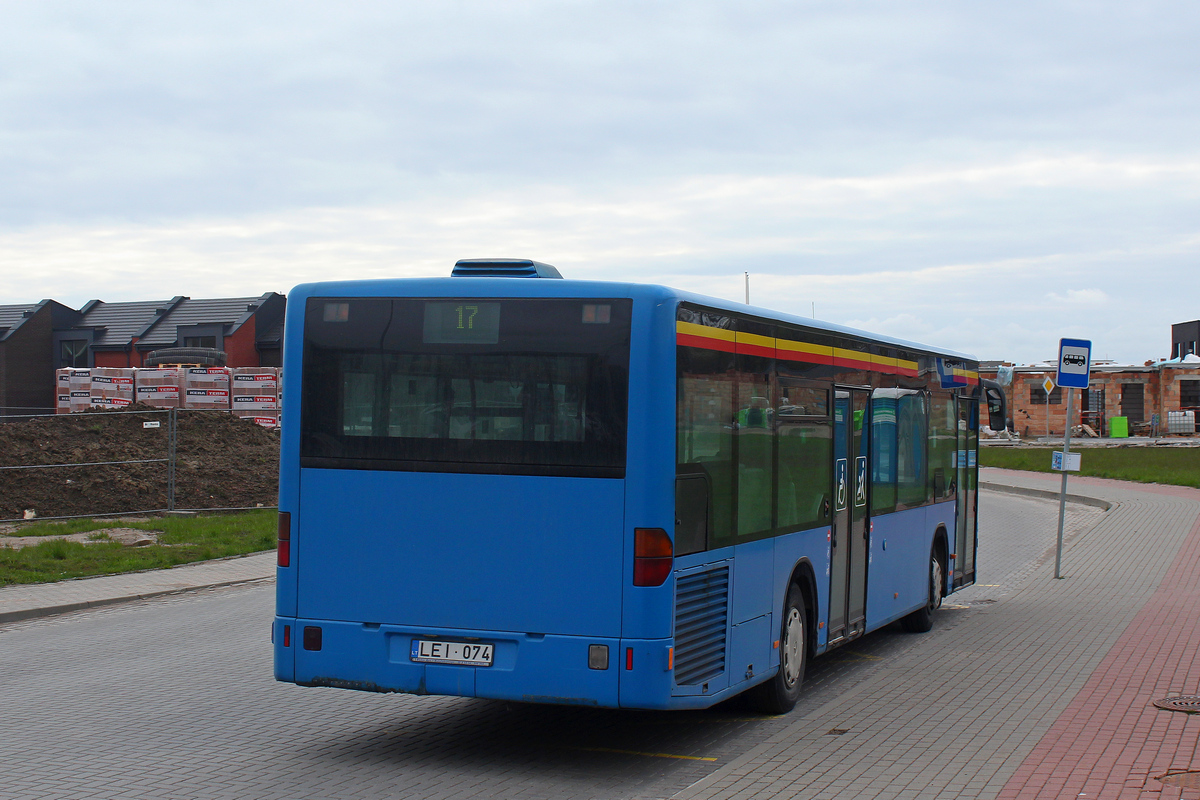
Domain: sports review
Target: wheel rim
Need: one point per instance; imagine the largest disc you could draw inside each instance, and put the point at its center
(793, 641)
(935, 585)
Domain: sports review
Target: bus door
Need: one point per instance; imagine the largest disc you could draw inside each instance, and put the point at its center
(848, 537)
(966, 494)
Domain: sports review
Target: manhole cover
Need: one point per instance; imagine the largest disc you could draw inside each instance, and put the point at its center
(1188, 703)
(1184, 780)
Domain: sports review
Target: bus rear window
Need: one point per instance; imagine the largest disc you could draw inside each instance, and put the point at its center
(512, 386)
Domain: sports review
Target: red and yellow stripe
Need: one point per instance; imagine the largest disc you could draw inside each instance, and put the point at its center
(969, 376)
(690, 334)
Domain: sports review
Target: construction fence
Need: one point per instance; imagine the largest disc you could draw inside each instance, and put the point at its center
(135, 461)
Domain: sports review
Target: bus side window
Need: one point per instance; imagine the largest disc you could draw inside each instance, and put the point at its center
(704, 433)
(883, 451)
(943, 445)
(755, 454)
(805, 471)
(910, 455)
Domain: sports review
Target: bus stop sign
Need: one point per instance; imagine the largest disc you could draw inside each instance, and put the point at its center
(1074, 363)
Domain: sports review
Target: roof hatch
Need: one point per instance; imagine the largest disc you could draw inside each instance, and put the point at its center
(502, 268)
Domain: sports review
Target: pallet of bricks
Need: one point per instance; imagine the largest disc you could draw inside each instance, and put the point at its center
(255, 395)
(99, 387)
(206, 388)
(248, 392)
(112, 387)
(73, 390)
(161, 387)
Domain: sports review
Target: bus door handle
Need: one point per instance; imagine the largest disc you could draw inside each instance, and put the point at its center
(825, 507)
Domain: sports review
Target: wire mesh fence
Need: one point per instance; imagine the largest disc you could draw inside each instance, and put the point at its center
(134, 461)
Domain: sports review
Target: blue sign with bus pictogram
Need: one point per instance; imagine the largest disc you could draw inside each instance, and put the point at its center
(1074, 363)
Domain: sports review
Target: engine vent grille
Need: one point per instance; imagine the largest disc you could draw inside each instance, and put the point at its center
(701, 616)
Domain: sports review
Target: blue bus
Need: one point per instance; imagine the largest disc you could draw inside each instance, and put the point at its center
(508, 485)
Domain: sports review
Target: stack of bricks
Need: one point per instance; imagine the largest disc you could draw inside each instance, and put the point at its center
(161, 388)
(249, 392)
(112, 387)
(206, 388)
(255, 394)
(80, 384)
(62, 390)
(63, 387)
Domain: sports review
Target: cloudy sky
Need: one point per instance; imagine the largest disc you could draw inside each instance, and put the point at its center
(981, 176)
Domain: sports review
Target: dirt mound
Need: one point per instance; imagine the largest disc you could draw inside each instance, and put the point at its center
(221, 461)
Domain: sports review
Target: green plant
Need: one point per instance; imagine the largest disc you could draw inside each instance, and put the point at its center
(1178, 466)
(183, 540)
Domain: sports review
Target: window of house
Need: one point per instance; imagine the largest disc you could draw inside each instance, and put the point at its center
(73, 353)
(1189, 393)
(200, 341)
(1037, 395)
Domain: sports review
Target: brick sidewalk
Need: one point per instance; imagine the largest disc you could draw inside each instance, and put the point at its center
(26, 601)
(1112, 742)
(1044, 693)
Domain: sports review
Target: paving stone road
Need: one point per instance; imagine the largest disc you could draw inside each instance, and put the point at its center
(173, 698)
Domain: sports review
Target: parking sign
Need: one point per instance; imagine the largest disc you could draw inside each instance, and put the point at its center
(1074, 363)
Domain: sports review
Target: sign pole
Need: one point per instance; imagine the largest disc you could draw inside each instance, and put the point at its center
(1074, 372)
(1048, 385)
(1062, 495)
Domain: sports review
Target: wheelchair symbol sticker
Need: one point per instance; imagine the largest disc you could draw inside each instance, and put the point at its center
(860, 491)
(841, 473)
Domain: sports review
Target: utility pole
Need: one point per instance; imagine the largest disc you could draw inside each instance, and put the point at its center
(747, 288)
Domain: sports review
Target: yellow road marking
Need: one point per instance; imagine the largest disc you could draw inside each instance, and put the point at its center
(637, 753)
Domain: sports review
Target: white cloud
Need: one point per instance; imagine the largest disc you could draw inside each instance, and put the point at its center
(934, 171)
(1081, 297)
(665, 233)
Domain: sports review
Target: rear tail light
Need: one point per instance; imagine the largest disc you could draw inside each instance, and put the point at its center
(652, 556)
(285, 539)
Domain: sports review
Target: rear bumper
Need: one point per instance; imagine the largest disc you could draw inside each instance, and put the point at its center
(525, 667)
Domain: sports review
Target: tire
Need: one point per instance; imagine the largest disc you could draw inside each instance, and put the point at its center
(921, 620)
(779, 694)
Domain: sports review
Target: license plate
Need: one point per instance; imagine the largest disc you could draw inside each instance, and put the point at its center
(466, 653)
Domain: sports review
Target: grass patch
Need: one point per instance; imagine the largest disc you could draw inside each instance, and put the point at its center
(1177, 466)
(190, 539)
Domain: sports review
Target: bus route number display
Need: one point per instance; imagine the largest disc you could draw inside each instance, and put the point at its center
(462, 322)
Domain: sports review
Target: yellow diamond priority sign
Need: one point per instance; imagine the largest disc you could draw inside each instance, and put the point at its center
(1048, 385)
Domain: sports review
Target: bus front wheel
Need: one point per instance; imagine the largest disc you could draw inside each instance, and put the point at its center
(779, 694)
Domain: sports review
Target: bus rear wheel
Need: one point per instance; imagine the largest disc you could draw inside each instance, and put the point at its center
(779, 694)
(921, 620)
